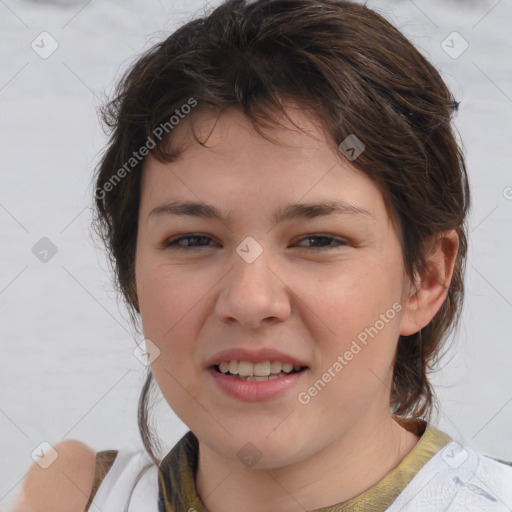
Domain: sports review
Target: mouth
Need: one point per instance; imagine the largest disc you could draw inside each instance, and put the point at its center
(257, 381)
(257, 372)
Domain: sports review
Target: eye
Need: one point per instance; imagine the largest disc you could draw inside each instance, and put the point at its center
(174, 243)
(194, 241)
(325, 239)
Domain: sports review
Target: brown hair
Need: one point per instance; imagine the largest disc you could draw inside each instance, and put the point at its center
(361, 77)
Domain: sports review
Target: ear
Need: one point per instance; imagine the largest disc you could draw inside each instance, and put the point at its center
(431, 287)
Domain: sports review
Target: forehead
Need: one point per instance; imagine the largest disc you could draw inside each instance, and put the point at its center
(235, 163)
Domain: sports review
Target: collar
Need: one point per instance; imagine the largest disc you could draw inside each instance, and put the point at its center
(177, 489)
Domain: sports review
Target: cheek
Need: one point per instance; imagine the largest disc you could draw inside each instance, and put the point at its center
(167, 313)
(167, 299)
(359, 310)
(350, 297)
(170, 304)
(355, 362)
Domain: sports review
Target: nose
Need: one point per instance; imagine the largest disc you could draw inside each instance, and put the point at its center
(253, 293)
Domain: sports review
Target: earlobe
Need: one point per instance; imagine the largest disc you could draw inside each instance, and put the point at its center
(431, 287)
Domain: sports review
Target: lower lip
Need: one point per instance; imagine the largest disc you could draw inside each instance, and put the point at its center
(255, 390)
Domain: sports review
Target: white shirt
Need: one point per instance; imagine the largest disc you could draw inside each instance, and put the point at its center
(456, 479)
(115, 492)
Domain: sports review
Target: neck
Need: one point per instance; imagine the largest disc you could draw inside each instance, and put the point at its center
(350, 465)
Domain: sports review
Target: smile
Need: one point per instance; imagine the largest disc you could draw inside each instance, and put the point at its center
(252, 372)
(253, 387)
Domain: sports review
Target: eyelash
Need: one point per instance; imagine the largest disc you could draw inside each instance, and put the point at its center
(172, 243)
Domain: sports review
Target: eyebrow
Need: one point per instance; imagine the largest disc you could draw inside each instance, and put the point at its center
(203, 210)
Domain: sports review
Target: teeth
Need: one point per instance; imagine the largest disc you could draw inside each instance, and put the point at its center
(264, 369)
(245, 369)
(254, 378)
(276, 366)
(233, 367)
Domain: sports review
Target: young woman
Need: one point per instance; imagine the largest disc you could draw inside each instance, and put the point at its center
(284, 204)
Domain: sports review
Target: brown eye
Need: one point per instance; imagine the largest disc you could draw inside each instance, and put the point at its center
(194, 241)
(325, 241)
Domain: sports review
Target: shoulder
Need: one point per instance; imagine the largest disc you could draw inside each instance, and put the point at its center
(478, 473)
(460, 477)
(63, 485)
(489, 486)
(495, 470)
(478, 479)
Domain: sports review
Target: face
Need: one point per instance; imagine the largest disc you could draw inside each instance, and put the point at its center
(270, 282)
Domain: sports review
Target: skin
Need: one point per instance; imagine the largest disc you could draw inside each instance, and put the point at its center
(64, 486)
(300, 298)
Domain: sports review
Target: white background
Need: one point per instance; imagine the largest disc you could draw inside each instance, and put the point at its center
(67, 367)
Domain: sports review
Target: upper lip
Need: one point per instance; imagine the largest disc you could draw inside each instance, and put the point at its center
(253, 356)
